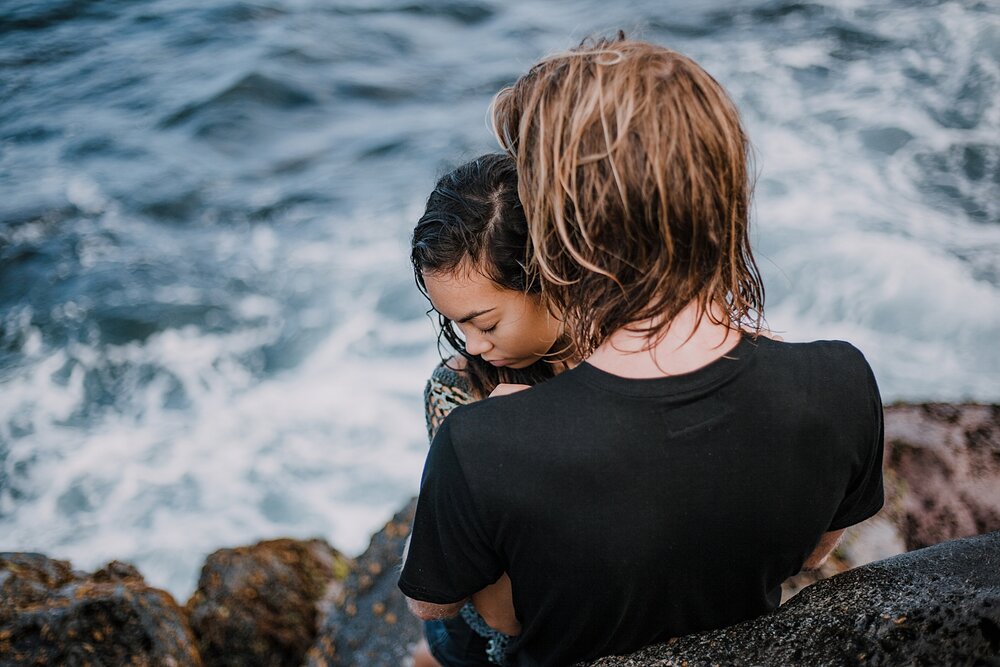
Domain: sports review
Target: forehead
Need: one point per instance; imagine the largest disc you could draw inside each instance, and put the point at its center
(456, 294)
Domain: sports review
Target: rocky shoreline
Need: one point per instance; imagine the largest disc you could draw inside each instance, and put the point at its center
(300, 602)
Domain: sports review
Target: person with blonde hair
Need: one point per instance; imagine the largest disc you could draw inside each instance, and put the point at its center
(673, 479)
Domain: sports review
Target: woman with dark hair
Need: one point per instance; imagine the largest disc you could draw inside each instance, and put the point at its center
(471, 257)
(472, 238)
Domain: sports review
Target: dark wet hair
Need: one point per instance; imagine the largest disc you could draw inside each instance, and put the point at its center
(474, 215)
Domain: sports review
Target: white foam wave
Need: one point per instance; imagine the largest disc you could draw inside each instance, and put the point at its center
(329, 448)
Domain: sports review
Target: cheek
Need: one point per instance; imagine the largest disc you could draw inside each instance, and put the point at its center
(538, 336)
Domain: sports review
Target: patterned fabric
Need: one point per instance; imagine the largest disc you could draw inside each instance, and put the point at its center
(446, 390)
(497, 648)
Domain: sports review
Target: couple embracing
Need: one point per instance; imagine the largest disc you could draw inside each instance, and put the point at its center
(630, 456)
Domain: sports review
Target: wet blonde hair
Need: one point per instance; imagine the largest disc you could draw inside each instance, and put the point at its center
(633, 171)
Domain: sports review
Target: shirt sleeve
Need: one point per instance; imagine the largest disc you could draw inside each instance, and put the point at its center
(450, 556)
(866, 494)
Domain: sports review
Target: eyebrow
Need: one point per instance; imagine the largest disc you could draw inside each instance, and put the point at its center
(472, 316)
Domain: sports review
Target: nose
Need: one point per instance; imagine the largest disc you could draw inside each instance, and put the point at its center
(476, 344)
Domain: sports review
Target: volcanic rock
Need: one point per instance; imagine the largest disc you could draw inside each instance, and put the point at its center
(53, 615)
(258, 605)
(369, 623)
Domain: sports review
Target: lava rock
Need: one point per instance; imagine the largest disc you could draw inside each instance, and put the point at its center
(29, 578)
(258, 605)
(934, 606)
(369, 623)
(53, 615)
(117, 570)
(943, 471)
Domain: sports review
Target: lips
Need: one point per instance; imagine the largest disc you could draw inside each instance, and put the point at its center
(498, 362)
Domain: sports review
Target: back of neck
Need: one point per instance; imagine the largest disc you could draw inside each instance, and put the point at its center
(691, 341)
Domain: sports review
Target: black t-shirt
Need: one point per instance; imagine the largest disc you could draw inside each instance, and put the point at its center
(630, 511)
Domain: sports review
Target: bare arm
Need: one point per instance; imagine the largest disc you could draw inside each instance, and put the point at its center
(826, 545)
(428, 611)
(495, 604)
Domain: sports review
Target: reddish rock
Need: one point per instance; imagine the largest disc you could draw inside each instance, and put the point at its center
(943, 476)
(53, 615)
(258, 605)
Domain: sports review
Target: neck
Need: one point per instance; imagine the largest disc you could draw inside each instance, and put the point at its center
(690, 341)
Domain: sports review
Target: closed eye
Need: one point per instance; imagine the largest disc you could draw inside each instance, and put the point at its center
(486, 331)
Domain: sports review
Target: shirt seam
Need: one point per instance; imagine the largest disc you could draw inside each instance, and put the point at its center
(856, 517)
(419, 592)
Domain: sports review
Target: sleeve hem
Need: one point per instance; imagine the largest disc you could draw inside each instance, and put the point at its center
(426, 595)
(857, 517)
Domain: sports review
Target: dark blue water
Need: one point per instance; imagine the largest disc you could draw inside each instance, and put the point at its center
(208, 331)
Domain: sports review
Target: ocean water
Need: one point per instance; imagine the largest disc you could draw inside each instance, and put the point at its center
(209, 332)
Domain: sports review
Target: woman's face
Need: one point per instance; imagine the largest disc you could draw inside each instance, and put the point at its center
(505, 327)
